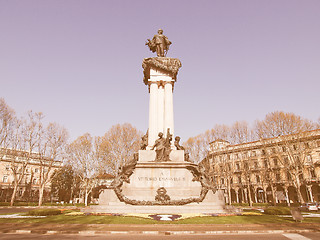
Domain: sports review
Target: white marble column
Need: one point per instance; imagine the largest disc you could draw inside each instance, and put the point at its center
(168, 101)
(161, 109)
(160, 106)
(153, 114)
(310, 193)
(237, 195)
(287, 195)
(160, 74)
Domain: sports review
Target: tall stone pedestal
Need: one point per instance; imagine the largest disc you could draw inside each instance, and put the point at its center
(166, 183)
(146, 180)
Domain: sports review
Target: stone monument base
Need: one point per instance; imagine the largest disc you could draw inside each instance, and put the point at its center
(109, 203)
(161, 187)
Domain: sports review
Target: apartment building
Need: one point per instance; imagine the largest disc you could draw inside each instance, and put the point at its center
(29, 186)
(281, 169)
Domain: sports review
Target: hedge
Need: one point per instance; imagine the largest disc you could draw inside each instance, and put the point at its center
(44, 212)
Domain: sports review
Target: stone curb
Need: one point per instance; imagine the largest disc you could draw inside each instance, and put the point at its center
(231, 232)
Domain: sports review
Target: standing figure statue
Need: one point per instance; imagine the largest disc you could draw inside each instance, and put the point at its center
(163, 147)
(159, 43)
(160, 145)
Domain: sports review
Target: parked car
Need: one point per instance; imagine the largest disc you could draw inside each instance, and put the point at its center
(309, 207)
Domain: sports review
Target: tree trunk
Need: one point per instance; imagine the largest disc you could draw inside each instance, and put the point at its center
(255, 195)
(41, 189)
(265, 195)
(13, 196)
(249, 196)
(229, 191)
(300, 198)
(273, 195)
(287, 196)
(86, 198)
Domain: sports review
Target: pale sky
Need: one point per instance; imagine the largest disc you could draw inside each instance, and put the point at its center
(79, 61)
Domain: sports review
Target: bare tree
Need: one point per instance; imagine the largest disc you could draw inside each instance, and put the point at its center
(280, 123)
(289, 133)
(7, 123)
(51, 146)
(240, 133)
(85, 159)
(118, 145)
(198, 146)
(23, 142)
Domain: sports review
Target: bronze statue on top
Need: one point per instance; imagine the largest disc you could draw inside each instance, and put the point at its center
(159, 43)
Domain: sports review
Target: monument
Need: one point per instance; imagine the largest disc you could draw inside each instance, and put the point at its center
(161, 178)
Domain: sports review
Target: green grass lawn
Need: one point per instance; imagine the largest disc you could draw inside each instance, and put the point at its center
(62, 219)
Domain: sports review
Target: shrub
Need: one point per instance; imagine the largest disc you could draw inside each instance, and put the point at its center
(44, 212)
(261, 204)
(277, 211)
(4, 204)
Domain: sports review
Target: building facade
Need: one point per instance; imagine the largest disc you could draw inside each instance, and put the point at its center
(285, 169)
(28, 189)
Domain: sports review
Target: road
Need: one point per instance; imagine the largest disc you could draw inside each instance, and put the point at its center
(292, 236)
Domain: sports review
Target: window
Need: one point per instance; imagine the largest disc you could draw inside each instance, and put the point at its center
(257, 178)
(265, 163)
(246, 166)
(222, 181)
(254, 153)
(239, 180)
(301, 177)
(263, 152)
(34, 181)
(284, 149)
(20, 192)
(309, 159)
(306, 145)
(275, 162)
(278, 177)
(312, 173)
(229, 167)
(294, 147)
(5, 179)
(238, 166)
(36, 170)
(289, 176)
